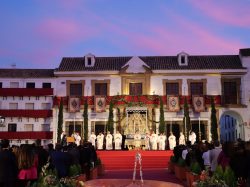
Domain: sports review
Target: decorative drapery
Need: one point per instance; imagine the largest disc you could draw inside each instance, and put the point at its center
(100, 103)
(173, 103)
(74, 104)
(198, 103)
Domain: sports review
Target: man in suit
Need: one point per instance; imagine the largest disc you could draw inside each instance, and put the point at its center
(8, 166)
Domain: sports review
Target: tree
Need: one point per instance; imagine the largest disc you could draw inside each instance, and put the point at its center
(110, 124)
(162, 119)
(186, 118)
(85, 118)
(214, 124)
(60, 121)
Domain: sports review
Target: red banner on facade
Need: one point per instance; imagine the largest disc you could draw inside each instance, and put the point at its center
(100, 103)
(173, 103)
(198, 103)
(74, 104)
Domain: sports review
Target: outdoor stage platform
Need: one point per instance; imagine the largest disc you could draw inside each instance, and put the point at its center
(128, 183)
(120, 160)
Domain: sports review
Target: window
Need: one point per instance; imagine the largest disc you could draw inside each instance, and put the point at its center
(30, 85)
(14, 84)
(1, 85)
(183, 60)
(28, 127)
(135, 88)
(172, 88)
(13, 106)
(89, 61)
(46, 85)
(76, 89)
(45, 127)
(29, 106)
(12, 127)
(46, 106)
(230, 92)
(101, 88)
(196, 88)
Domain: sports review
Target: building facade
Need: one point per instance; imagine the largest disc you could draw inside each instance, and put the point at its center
(29, 98)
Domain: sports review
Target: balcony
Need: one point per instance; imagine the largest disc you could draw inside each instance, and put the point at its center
(26, 135)
(142, 99)
(26, 113)
(26, 91)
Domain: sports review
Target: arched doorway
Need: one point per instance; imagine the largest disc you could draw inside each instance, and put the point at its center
(229, 126)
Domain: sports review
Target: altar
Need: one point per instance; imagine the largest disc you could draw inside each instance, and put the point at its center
(130, 143)
(136, 121)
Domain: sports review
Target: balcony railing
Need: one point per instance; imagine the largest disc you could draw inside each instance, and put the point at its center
(26, 113)
(26, 91)
(26, 135)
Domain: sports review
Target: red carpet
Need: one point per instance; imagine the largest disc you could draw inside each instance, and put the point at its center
(120, 160)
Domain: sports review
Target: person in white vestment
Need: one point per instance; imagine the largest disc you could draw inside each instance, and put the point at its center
(92, 138)
(118, 140)
(146, 139)
(109, 141)
(162, 141)
(172, 141)
(100, 138)
(153, 141)
(77, 139)
(192, 138)
(137, 139)
(182, 139)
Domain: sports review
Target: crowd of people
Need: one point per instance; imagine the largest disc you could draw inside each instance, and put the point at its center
(22, 164)
(210, 155)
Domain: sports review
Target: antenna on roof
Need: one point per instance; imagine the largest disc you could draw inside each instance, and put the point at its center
(13, 65)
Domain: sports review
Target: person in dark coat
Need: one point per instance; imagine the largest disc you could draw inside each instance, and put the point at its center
(61, 161)
(74, 153)
(8, 166)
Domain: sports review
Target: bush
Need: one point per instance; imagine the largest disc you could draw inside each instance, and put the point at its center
(74, 170)
(181, 162)
(98, 162)
(173, 159)
(195, 168)
(229, 177)
(219, 173)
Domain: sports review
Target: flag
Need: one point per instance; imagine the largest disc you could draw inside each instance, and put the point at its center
(198, 103)
(173, 103)
(100, 103)
(74, 104)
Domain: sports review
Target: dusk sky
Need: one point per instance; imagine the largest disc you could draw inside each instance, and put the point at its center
(38, 33)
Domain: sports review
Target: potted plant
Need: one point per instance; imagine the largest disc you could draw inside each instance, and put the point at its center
(100, 167)
(49, 178)
(180, 170)
(193, 174)
(171, 163)
(220, 178)
(75, 172)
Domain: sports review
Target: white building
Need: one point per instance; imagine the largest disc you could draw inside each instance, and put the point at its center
(29, 97)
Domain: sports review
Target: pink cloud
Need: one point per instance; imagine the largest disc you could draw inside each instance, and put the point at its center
(62, 30)
(226, 12)
(185, 35)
